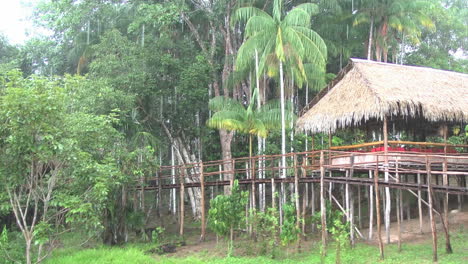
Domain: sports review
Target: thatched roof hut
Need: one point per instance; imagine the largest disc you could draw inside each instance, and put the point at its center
(366, 90)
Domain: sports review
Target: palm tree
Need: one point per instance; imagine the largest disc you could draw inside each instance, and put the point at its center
(387, 18)
(280, 39)
(231, 115)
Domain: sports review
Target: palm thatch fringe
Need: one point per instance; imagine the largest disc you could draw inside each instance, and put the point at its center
(371, 90)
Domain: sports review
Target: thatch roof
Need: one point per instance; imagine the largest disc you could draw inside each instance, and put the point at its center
(370, 90)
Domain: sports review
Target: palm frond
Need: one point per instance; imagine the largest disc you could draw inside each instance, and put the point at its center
(243, 14)
(257, 24)
(221, 103)
(297, 17)
(315, 49)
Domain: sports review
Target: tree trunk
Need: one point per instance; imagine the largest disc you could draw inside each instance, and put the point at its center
(369, 47)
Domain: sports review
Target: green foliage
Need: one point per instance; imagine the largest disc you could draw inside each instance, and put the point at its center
(289, 229)
(266, 229)
(11, 246)
(338, 229)
(227, 212)
(157, 234)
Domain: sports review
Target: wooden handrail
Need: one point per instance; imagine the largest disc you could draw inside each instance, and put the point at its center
(397, 143)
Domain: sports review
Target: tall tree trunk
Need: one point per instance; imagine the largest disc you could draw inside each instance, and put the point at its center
(283, 133)
(369, 46)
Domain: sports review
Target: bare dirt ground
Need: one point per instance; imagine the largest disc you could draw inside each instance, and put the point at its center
(410, 233)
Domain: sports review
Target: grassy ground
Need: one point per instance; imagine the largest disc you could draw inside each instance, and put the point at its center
(420, 252)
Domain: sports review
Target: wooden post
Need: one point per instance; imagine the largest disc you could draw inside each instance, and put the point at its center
(322, 206)
(233, 175)
(273, 204)
(371, 207)
(431, 214)
(296, 191)
(377, 210)
(388, 203)
(159, 195)
(202, 203)
(312, 202)
(182, 205)
(359, 207)
(351, 218)
(448, 246)
(253, 177)
(398, 207)
(305, 196)
(419, 204)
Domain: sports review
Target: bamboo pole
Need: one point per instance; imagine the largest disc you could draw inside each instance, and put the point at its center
(322, 206)
(202, 203)
(431, 214)
(377, 210)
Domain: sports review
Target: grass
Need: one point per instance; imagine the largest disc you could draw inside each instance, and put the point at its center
(362, 253)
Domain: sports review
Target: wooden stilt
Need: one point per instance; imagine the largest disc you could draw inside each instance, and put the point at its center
(359, 207)
(398, 206)
(388, 203)
(182, 205)
(377, 210)
(306, 191)
(312, 202)
(322, 206)
(448, 246)
(371, 208)
(273, 205)
(419, 204)
(202, 203)
(351, 218)
(296, 199)
(431, 214)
